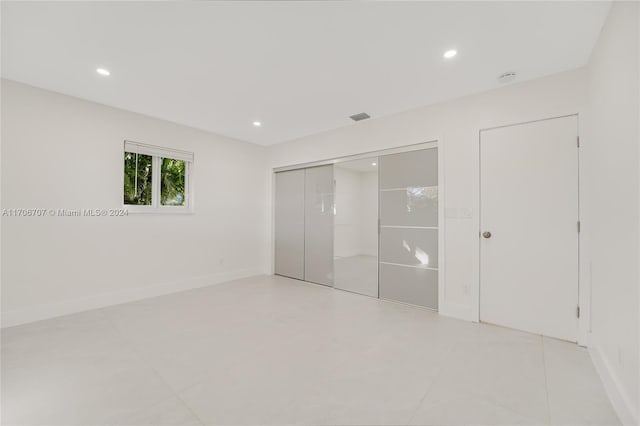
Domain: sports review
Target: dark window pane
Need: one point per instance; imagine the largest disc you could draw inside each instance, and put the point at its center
(172, 181)
(137, 179)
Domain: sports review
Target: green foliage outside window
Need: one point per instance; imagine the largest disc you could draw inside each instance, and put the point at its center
(172, 180)
(137, 178)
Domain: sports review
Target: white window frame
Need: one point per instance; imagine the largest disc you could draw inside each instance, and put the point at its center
(158, 153)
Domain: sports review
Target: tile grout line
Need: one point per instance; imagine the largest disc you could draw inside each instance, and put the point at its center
(490, 400)
(432, 385)
(495, 402)
(148, 364)
(499, 403)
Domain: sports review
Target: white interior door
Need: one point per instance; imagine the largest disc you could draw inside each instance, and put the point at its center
(529, 227)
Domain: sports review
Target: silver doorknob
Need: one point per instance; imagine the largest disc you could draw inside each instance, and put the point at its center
(486, 234)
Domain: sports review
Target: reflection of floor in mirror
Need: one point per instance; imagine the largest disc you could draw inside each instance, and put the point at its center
(358, 274)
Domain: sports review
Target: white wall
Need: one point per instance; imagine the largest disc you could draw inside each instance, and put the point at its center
(456, 124)
(63, 152)
(612, 205)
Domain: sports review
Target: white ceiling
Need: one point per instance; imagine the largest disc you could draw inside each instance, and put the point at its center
(298, 67)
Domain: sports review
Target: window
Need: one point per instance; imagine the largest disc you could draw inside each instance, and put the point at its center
(172, 179)
(137, 178)
(156, 179)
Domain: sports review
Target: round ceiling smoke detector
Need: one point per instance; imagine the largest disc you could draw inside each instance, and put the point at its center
(507, 77)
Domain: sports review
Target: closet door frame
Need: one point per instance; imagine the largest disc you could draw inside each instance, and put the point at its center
(443, 306)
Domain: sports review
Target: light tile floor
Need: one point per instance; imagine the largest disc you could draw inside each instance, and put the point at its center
(270, 350)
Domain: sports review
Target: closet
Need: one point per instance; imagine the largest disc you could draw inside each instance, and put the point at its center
(367, 225)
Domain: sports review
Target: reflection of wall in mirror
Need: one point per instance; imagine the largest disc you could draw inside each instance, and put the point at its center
(369, 214)
(356, 213)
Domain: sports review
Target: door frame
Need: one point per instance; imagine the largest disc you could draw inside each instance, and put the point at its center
(584, 293)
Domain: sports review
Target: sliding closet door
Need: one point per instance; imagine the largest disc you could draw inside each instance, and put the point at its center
(409, 227)
(318, 247)
(356, 226)
(289, 224)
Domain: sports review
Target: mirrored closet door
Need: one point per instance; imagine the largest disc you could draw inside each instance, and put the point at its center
(318, 225)
(356, 226)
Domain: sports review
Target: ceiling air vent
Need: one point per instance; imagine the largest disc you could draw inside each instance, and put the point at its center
(360, 117)
(507, 77)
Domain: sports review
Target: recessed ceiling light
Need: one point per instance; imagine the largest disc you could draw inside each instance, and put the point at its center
(374, 164)
(257, 123)
(450, 53)
(103, 71)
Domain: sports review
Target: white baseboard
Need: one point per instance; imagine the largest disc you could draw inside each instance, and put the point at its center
(41, 312)
(619, 398)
